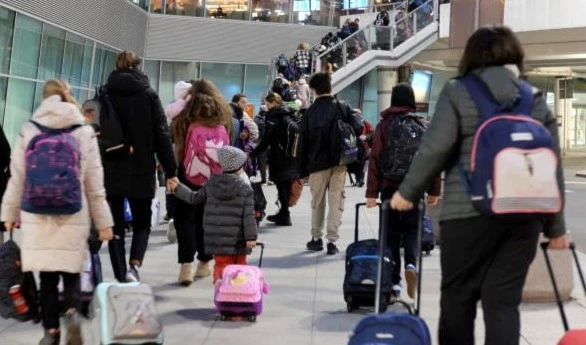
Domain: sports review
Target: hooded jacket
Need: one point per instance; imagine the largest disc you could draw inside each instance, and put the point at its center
(375, 183)
(450, 137)
(281, 167)
(303, 92)
(142, 115)
(58, 243)
(228, 218)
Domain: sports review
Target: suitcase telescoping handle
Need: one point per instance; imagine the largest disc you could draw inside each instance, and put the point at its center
(356, 225)
(262, 250)
(544, 246)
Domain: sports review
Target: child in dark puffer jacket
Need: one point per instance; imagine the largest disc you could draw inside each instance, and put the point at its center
(229, 219)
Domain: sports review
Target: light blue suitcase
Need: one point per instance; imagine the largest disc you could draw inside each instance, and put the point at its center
(125, 314)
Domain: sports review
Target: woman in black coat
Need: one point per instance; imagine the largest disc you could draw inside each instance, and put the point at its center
(282, 169)
(4, 166)
(132, 175)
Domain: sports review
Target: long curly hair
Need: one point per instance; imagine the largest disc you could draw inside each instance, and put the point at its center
(207, 107)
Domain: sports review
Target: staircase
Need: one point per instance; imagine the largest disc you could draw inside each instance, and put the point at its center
(373, 45)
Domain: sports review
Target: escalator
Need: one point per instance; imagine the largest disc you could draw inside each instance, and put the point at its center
(373, 45)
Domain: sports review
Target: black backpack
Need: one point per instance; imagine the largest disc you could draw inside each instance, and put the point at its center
(282, 63)
(112, 139)
(11, 274)
(403, 136)
(344, 142)
(290, 136)
(288, 94)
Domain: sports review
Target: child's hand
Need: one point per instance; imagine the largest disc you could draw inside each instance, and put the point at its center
(9, 226)
(250, 244)
(106, 234)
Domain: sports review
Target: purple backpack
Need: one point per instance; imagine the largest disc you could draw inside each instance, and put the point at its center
(52, 180)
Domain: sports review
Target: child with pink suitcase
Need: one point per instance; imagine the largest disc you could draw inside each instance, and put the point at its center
(230, 234)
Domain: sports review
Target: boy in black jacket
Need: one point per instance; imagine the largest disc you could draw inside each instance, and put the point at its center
(228, 220)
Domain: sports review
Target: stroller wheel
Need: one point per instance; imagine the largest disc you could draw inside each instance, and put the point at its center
(252, 318)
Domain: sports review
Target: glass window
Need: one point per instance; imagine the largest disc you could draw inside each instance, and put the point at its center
(193, 8)
(351, 94)
(171, 73)
(73, 59)
(97, 66)
(370, 97)
(26, 48)
(52, 46)
(227, 9)
(87, 63)
(256, 84)
(6, 30)
(307, 12)
(152, 69)
(227, 77)
(144, 4)
(19, 104)
(275, 11)
(156, 6)
(108, 63)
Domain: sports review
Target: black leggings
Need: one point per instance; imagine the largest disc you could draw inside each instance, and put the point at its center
(188, 220)
(50, 305)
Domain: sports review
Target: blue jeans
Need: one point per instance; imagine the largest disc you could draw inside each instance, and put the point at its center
(402, 226)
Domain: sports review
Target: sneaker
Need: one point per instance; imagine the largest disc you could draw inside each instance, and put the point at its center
(332, 249)
(51, 338)
(315, 245)
(396, 291)
(283, 220)
(132, 276)
(411, 278)
(203, 270)
(73, 336)
(166, 218)
(172, 232)
(273, 217)
(270, 183)
(186, 274)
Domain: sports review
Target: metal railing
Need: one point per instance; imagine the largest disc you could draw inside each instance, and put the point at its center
(376, 37)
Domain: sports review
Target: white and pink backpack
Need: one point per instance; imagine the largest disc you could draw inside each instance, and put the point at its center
(201, 152)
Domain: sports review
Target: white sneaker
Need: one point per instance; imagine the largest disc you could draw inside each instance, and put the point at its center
(396, 290)
(171, 232)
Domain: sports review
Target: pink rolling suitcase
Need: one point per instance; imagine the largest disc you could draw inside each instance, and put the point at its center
(574, 336)
(240, 291)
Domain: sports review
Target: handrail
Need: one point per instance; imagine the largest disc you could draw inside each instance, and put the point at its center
(390, 27)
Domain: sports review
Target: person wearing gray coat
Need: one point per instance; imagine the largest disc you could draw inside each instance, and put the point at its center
(228, 219)
(482, 258)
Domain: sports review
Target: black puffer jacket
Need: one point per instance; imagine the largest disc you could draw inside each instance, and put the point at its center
(4, 166)
(281, 167)
(316, 132)
(138, 105)
(228, 218)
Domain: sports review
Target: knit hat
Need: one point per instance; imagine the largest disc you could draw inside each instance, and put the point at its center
(231, 158)
(181, 90)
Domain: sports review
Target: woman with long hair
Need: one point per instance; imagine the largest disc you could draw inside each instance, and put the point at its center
(199, 130)
(56, 244)
(483, 258)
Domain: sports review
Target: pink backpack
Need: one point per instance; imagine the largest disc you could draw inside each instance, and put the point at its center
(241, 283)
(201, 153)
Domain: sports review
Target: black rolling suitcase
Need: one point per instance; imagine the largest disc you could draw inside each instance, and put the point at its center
(362, 258)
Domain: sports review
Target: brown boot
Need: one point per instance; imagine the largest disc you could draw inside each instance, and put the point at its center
(186, 274)
(73, 336)
(203, 270)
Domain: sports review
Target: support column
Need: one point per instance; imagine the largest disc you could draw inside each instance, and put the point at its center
(387, 79)
(563, 103)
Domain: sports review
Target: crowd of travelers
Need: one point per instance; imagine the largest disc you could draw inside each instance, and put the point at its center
(211, 151)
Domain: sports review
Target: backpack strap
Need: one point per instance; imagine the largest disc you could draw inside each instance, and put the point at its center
(45, 129)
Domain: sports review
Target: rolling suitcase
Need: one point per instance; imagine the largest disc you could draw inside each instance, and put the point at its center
(361, 270)
(393, 328)
(574, 336)
(240, 291)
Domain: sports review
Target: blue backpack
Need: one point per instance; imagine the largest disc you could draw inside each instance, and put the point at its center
(52, 184)
(513, 164)
(391, 329)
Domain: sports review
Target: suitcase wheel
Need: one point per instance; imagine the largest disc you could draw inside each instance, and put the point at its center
(223, 317)
(350, 307)
(252, 318)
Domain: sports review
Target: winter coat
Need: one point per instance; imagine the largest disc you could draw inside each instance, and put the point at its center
(450, 137)
(281, 167)
(376, 183)
(139, 107)
(316, 129)
(228, 218)
(58, 243)
(4, 166)
(303, 93)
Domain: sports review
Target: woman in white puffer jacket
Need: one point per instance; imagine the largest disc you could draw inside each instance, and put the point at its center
(56, 245)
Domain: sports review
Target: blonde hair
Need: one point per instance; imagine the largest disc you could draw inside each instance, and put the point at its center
(304, 46)
(127, 59)
(61, 88)
(207, 107)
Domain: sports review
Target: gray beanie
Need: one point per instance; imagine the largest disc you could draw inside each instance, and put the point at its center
(231, 158)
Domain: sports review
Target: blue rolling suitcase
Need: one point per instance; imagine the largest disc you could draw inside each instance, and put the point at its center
(392, 328)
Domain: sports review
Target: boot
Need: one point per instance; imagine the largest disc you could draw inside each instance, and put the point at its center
(203, 270)
(283, 219)
(73, 336)
(50, 338)
(186, 274)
